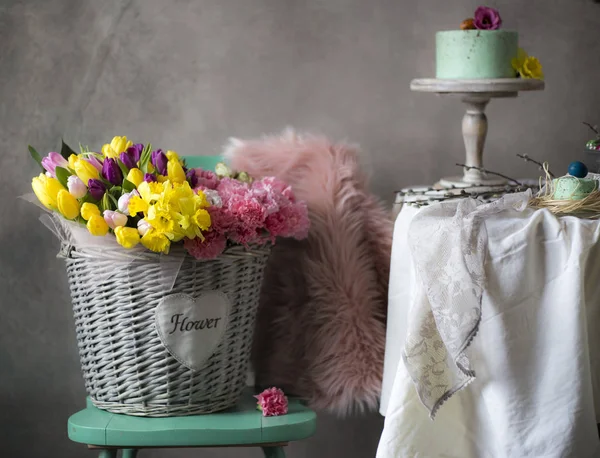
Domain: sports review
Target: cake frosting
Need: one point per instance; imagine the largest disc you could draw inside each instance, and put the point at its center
(475, 54)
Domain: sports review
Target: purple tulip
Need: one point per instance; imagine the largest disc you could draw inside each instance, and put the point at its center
(96, 188)
(149, 178)
(53, 160)
(192, 178)
(487, 18)
(128, 160)
(159, 161)
(135, 151)
(95, 162)
(112, 172)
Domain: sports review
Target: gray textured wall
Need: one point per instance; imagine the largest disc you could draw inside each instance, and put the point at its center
(188, 74)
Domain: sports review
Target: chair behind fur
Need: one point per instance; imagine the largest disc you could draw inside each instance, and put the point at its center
(321, 323)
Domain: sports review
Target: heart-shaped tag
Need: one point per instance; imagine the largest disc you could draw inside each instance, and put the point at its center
(192, 328)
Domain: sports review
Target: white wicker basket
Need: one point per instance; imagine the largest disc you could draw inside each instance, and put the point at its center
(125, 366)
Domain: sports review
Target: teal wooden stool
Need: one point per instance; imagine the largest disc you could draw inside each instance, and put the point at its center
(203, 162)
(241, 426)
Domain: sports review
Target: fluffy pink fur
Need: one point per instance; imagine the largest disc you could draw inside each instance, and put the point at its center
(321, 323)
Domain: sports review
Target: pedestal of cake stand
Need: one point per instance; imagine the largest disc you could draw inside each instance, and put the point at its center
(475, 94)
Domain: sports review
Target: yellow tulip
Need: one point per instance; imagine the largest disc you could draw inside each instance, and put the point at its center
(136, 176)
(88, 210)
(46, 189)
(67, 204)
(155, 241)
(117, 146)
(38, 184)
(175, 171)
(85, 171)
(127, 237)
(72, 159)
(172, 155)
(97, 226)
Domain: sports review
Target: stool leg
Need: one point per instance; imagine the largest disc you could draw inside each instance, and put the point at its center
(108, 453)
(273, 452)
(129, 453)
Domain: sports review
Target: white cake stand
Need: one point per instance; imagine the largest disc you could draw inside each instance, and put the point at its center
(476, 94)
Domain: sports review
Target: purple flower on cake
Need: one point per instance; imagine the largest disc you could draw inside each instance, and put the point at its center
(487, 18)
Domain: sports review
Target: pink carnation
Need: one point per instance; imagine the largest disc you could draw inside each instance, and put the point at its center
(228, 187)
(212, 246)
(266, 199)
(275, 186)
(290, 221)
(272, 402)
(221, 220)
(248, 209)
(206, 179)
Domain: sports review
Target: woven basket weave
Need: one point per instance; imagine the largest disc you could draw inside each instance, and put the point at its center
(125, 366)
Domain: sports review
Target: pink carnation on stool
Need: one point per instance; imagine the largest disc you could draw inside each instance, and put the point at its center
(272, 402)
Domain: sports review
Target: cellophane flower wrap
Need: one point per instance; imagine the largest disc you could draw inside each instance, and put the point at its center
(145, 196)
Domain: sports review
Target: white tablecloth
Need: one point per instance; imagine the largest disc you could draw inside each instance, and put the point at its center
(536, 355)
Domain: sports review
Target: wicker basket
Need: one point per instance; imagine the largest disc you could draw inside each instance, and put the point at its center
(125, 366)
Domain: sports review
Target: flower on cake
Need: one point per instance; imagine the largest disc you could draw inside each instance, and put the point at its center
(487, 18)
(527, 66)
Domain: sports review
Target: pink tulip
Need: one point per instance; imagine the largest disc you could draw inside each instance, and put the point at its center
(53, 160)
(114, 219)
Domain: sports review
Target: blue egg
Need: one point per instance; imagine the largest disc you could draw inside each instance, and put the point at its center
(578, 169)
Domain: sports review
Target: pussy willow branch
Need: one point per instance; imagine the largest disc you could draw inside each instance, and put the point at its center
(541, 166)
(481, 169)
(592, 127)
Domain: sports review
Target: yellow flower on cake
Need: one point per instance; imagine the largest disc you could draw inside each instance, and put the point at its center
(68, 205)
(127, 237)
(527, 66)
(46, 190)
(117, 146)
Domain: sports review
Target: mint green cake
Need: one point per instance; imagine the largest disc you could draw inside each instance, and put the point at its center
(475, 54)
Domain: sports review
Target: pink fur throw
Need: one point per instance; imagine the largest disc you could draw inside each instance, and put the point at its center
(321, 324)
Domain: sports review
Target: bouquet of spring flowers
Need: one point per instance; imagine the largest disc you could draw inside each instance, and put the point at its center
(147, 196)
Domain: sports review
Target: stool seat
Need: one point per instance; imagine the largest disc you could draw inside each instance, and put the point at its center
(242, 425)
